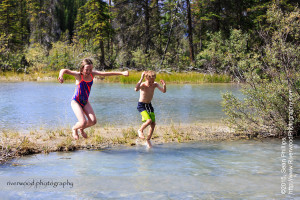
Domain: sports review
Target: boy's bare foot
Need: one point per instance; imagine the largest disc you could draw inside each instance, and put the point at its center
(148, 144)
(141, 134)
(83, 133)
(75, 134)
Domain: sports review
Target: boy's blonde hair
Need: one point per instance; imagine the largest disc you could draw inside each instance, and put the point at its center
(150, 74)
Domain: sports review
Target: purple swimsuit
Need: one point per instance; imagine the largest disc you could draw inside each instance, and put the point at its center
(82, 91)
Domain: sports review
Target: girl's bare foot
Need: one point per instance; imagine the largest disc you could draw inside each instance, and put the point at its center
(141, 134)
(83, 133)
(75, 134)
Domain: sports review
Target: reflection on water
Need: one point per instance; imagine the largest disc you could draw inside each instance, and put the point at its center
(32, 105)
(208, 170)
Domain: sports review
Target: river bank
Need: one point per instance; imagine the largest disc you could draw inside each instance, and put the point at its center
(15, 144)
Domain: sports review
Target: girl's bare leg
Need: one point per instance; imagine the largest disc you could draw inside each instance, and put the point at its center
(83, 133)
(75, 134)
(79, 113)
(89, 112)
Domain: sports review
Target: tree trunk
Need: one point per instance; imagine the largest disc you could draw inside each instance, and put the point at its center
(110, 38)
(147, 24)
(190, 31)
(102, 57)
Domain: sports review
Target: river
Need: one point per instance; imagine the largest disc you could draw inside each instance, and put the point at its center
(34, 105)
(203, 170)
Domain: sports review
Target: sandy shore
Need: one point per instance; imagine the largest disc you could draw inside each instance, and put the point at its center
(14, 144)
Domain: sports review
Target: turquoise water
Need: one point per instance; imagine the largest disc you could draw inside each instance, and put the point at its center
(204, 170)
(33, 105)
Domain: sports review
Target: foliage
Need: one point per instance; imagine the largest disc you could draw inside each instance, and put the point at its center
(44, 26)
(69, 56)
(272, 91)
(36, 55)
(226, 55)
(143, 60)
(160, 35)
(92, 22)
(93, 27)
(212, 57)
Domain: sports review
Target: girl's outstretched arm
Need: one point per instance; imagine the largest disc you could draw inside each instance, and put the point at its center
(67, 71)
(98, 73)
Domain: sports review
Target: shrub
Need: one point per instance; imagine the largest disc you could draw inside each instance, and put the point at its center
(211, 58)
(69, 56)
(36, 55)
(272, 93)
(145, 61)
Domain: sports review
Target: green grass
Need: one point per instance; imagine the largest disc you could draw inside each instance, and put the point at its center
(191, 77)
(134, 77)
(129, 133)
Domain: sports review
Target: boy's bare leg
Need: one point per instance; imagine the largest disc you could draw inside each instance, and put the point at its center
(151, 130)
(141, 134)
(148, 144)
(144, 125)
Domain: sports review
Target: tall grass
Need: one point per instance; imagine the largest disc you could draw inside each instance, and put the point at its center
(134, 77)
(191, 77)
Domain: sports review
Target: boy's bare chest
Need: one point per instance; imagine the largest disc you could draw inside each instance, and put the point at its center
(148, 89)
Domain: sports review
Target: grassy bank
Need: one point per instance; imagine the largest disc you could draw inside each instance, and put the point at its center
(134, 77)
(14, 143)
(190, 77)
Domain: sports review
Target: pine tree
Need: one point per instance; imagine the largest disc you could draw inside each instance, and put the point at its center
(10, 24)
(92, 26)
(44, 26)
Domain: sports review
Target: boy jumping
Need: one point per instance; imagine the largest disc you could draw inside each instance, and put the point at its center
(144, 106)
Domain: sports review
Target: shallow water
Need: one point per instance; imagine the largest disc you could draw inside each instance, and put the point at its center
(33, 105)
(206, 170)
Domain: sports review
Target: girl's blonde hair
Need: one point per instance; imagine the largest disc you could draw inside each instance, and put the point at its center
(84, 62)
(150, 74)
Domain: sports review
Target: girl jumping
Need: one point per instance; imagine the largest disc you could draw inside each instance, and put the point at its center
(80, 104)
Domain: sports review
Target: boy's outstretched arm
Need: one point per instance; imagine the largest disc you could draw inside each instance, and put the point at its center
(98, 73)
(66, 71)
(138, 85)
(163, 88)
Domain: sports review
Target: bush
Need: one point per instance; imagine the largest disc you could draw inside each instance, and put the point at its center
(143, 60)
(9, 60)
(271, 93)
(60, 56)
(212, 57)
(36, 55)
(69, 56)
(226, 55)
